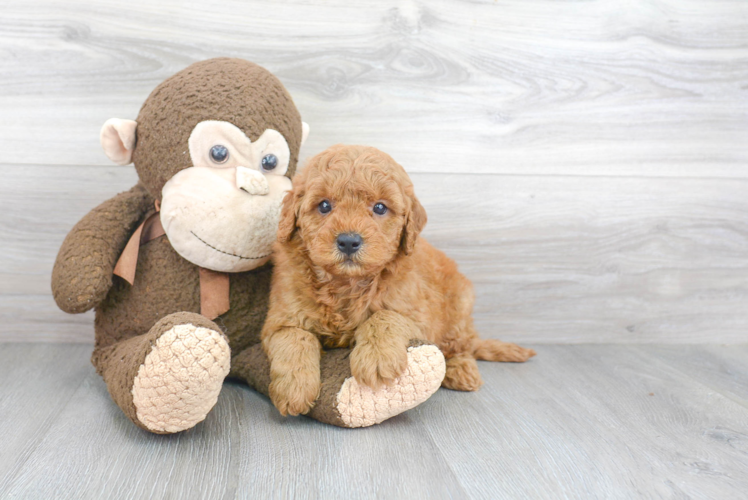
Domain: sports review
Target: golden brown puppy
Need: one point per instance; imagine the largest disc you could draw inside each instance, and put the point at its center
(351, 270)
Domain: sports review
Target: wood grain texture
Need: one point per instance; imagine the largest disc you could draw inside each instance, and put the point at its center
(604, 141)
(720, 368)
(603, 88)
(553, 258)
(585, 421)
(37, 384)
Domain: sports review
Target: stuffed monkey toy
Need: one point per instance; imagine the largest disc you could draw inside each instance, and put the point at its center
(178, 267)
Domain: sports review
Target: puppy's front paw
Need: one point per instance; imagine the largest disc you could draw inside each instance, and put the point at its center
(295, 393)
(375, 365)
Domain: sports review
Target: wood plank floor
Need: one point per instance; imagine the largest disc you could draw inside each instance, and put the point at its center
(578, 421)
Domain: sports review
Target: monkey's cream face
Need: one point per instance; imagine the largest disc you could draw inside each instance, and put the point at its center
(222, 213)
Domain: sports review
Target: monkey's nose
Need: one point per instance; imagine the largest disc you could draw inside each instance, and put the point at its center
(349, 243)
(251, 181)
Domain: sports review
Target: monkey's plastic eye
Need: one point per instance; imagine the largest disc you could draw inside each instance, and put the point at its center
(269, 162)
(219, 154)
(380, 209)
(324, 207)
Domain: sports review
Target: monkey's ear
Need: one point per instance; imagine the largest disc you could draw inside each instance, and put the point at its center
(118, 139)
(304, 132)
(415, 220)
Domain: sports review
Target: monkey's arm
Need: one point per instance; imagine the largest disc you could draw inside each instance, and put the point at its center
(82, 274)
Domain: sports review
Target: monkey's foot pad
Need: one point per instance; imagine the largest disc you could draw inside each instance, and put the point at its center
(180, 379)
(360, 406)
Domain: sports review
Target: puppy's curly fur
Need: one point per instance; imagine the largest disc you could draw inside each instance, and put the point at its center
(396, 287)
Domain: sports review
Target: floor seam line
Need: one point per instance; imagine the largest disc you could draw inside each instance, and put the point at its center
(729, 396)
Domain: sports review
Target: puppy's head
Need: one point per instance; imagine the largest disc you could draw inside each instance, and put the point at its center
(353, 210)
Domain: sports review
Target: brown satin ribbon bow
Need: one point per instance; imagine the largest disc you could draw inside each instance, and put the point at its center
(214, 285)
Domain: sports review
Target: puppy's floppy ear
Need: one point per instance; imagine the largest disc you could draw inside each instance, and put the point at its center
(415, 220)
(290, 209)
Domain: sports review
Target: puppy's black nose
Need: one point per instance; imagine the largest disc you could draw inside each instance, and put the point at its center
(349, 243)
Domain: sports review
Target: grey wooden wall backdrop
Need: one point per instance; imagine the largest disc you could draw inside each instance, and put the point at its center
(583, 161)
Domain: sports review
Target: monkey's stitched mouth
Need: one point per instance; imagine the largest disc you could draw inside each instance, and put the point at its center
(228, 253)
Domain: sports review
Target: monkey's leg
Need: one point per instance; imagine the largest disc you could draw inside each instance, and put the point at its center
(168, 379)
(343, 401)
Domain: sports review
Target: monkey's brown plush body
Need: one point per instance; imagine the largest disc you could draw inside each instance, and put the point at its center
(162, 358)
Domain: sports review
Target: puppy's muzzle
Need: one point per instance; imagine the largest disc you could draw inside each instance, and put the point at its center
(349, 243)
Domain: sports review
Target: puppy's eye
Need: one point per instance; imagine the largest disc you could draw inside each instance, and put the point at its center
(324, 207)
(269, 162)
(219, 154)
(380, 209)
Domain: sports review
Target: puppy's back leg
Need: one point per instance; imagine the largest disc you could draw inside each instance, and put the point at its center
(496, 350)
(462, 336)
(462, 374)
